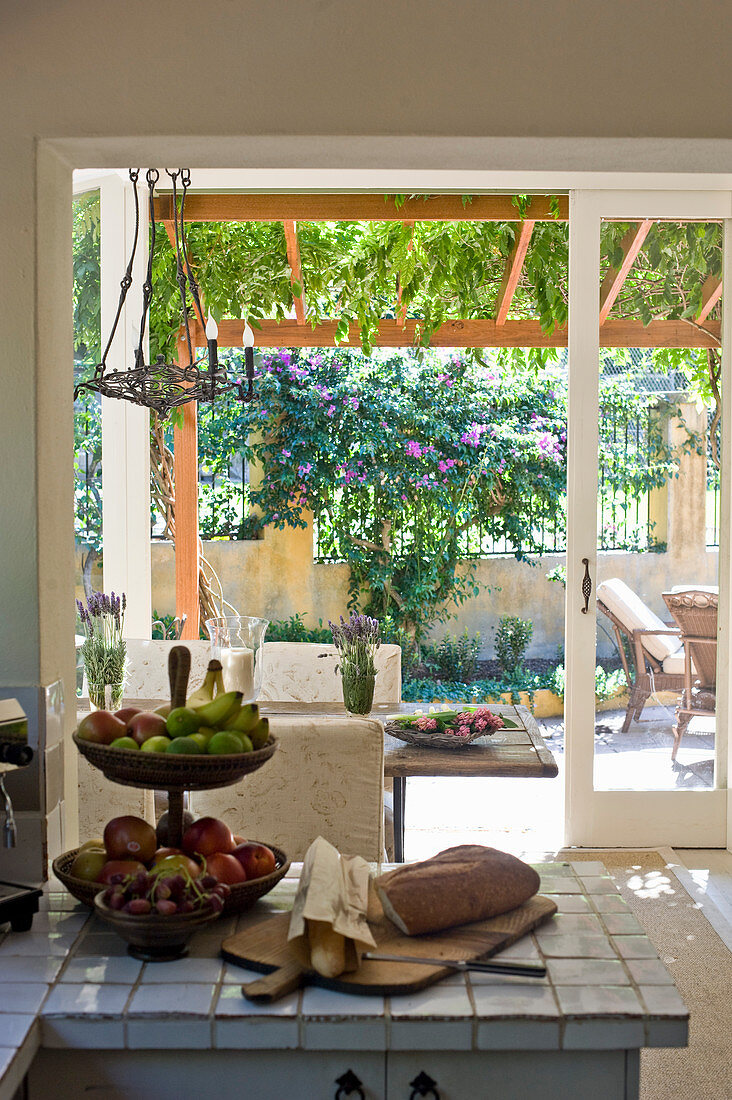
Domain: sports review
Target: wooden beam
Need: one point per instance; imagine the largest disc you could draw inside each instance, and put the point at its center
(711, 293)
(468, 334)
(358, 208)
(512, 271)
(187, 565)
(293, 259)
(631, 245)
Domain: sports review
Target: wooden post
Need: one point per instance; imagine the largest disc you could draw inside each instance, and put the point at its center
(187, 564)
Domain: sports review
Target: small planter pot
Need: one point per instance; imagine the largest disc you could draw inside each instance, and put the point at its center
(358, 690)
(106, 696)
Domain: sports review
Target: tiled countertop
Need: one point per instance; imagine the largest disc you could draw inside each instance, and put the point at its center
(70, 983)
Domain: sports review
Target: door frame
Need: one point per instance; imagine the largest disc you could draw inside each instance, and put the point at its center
(628, 818)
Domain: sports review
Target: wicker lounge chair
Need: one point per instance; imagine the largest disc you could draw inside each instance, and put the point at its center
(695, 612)
(655, 647)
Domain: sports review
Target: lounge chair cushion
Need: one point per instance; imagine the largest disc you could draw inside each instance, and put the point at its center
(635, 615)
(673, 665)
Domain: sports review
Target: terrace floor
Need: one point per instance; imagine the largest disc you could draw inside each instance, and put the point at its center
(526, 816)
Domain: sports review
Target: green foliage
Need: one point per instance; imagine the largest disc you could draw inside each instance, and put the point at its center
(295, 630)
(454, 657)
(512, 639)
(607, 685)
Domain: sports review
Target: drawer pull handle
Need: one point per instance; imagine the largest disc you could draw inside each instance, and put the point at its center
(348, 1084)
(586, 585)
(423, 1085)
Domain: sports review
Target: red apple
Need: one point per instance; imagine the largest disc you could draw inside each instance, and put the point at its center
(146, 724)
(119, 867)
(126, 713)
(130, 837)
(257, 859)
(102, 727)
(206, 836)
(162, 826)
(225, 868)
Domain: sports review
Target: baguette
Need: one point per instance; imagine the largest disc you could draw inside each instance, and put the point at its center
(327, 949)
(462, 884)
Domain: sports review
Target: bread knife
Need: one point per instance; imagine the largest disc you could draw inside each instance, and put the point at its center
(488, 966)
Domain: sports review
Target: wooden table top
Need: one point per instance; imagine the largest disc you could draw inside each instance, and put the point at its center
(519, 753)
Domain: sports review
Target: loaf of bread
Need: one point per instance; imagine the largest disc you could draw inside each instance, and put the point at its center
(462, 884)
(327, 949)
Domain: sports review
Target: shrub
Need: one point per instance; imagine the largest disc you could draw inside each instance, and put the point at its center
(295, 630)
(453, 658)
(512, 638)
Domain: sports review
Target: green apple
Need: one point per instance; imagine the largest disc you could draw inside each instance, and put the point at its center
(155, 744)
(125, 743)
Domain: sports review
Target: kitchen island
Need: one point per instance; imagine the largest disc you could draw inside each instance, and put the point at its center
(78, 1016)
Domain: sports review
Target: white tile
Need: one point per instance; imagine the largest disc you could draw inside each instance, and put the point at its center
(348, 1034)
(256, 1033)
(585, 867)
(6, 1056)
(238, 975)
(119, 970)
(180, 1034)
(587, 972)
(622, 924)
(87, 999)
(506, 980)
(524, 950)
(232, 1002)
(179, 999)
(556, 884)
(64, 923)
(610, 903)
(580, 946)
(28, 968)
(635, 947)
(35, 943)
(599, 1000)
(182, 970)
(663, 1000)
(564, 870)
(570, 923)
(570, 903)
(22, 996)
(14, 1027)
(649, 972)
(603, 1034)
(411, 1034)
(61, 902)
(82, 1033)
(329, 1002)
(516, 1000)
(517, 1035)
(436, 1001)
(106, 944)
(598, 884)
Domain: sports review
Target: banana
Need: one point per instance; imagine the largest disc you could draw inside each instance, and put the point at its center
(245, 720)
(259, 736)
(220, 709)
(212, 684)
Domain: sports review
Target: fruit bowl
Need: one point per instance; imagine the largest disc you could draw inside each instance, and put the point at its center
(171, 771)
(153, 937)
(243, 894)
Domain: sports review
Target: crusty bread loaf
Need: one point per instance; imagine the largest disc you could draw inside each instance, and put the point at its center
(462, 884)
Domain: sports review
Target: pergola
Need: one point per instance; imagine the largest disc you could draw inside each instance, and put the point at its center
(498, 331)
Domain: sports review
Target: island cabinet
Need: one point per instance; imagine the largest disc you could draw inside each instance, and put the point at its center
(79, 1017)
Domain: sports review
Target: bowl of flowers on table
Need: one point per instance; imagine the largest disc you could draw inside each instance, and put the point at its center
(447, 729)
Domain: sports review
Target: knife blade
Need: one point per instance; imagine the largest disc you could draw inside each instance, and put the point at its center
(487, 966)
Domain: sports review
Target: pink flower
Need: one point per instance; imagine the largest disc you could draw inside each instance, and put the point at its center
(330, 410)
(413, 449)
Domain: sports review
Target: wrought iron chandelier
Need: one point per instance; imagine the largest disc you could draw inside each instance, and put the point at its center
(165, 386)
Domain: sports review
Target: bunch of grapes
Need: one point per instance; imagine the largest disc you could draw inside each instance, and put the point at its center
(165, 893)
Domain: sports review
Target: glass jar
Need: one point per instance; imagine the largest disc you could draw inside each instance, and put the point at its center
(236, 641)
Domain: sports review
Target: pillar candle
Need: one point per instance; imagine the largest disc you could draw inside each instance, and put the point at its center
(238, 671)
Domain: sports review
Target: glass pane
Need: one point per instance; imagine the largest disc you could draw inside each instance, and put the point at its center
(658, 521)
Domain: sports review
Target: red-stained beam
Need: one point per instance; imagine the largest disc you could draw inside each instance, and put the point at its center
(631, 245)
(512, 272)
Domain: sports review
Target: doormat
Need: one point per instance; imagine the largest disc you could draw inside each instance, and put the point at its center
(701, 966)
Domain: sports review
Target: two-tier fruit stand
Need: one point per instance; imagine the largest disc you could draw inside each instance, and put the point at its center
(175, 773)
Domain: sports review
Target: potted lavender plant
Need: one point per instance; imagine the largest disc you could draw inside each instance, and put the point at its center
(357, 642)
(105, 651)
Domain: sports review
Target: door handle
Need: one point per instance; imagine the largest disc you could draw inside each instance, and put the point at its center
(586, 585)
(349, 1085)
(423, 1085)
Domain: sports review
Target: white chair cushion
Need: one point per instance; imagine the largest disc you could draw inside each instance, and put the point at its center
(147, 667)
(674, 664)
(635, 615)
(325, 779)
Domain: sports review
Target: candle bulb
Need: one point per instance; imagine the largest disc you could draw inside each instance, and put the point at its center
(248, 342)
(212, 332)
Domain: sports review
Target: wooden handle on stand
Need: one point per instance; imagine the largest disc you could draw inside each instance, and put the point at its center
(285, 979)
(179, 669)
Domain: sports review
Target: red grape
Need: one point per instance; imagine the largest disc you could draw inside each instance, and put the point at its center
(138, 907)
(166, 907)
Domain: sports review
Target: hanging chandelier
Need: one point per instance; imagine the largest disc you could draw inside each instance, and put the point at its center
(164, 386)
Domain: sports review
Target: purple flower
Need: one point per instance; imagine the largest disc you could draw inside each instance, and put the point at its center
(331, 409)
(413, 449)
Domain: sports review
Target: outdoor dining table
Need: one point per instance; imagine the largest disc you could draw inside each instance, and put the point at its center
(519, 753)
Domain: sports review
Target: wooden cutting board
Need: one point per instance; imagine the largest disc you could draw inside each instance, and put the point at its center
(263, 946)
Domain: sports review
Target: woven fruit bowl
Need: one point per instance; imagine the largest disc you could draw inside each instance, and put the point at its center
(414, 736)
(172, 771)
(243, 894)
(153, 937)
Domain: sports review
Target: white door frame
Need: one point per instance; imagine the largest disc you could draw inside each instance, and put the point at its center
(627, 818)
